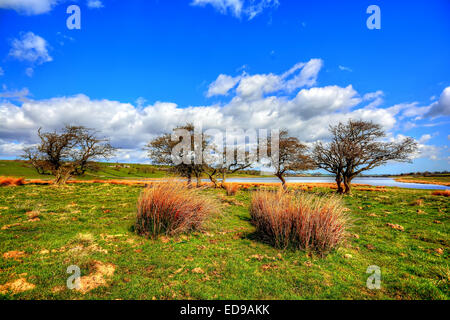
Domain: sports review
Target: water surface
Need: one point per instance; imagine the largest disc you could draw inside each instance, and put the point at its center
(387, 182)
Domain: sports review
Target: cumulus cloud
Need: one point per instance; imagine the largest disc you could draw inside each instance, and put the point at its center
(222, 85)
(441, 107)
(255, 101)
(256, 86)
(94, 4)
(19, 95)
(130, 127)
(238, 8)
(29, 7)
(31, 48)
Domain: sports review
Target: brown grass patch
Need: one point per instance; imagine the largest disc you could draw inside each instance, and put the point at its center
(98, 278)
(445, 193)
(16, 286)
(11, 181)
(231, 188)
(14, 254)
(299, 221)
(171, 208)
(395, 226)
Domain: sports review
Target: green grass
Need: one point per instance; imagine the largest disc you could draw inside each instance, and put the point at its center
(106, 171)
(443, 179)
(236, 264)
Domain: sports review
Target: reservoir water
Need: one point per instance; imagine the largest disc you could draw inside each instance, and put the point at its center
(373, 181)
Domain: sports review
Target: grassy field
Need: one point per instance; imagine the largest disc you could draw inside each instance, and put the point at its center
(45, 229)
(107, 171)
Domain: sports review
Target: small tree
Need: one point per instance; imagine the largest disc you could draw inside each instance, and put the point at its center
(67, 153)
(162, 150)
(356, 146)
(292, 156)
(221, 168)
(330, 157)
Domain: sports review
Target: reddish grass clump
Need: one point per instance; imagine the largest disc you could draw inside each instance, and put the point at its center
(10, 181)
(231, 188)
(445, 193)
(171, 208)
(299, 221)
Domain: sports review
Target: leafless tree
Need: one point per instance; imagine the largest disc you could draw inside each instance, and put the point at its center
(330, 157)
(161, 148)
(356, 147)
(292, 156)
(67, 153)
(222, 167)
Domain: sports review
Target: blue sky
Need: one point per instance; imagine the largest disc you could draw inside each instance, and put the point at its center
(136, 68)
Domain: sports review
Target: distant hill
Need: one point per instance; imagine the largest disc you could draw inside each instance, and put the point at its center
(104, 170)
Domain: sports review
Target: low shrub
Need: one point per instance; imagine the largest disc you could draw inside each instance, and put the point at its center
(171, 208)
(10, 181)
(299, 221)
(231, 188)
(445, 193)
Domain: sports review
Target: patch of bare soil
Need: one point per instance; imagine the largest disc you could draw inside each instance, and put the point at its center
(13, 254)
(16, 286)
(98, 278)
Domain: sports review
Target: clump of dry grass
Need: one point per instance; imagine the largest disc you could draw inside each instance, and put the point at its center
(171, 208)
(445, 193)
(299, 221)
(10, 181)
(231, 188)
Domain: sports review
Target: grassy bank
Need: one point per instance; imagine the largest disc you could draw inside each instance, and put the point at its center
(44, 229)
(104, 171)
(441, 180)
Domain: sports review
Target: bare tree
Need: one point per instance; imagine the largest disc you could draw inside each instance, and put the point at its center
(221, 168)
(67, 153)
(356, 147)
(162, 149)
(292, 156)
(330, 157)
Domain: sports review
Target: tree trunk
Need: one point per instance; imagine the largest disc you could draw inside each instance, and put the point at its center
(199, 181)
(189, 180)
(224, 178)
(213, 180)
(283, 181)
(339, 184)
(348, 185)
(61, 177)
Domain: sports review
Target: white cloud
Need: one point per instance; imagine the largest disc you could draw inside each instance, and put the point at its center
(376, 97)
(441, 107)
(424, 138)
(424, 151)
(29, 7)
(222, 85)
(29, 72)
(238, 8)
(256, 86)
(256, 101)
(31, 48)
(20, 95)
(95, 4)
(343, 68)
